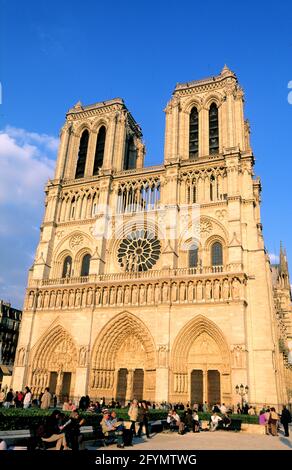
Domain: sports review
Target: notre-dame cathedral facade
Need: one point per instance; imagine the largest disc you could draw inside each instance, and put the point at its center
(154, 281)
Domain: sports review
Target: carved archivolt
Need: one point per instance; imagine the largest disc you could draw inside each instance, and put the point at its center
(115, 334)
(55, 351)
(186, 337)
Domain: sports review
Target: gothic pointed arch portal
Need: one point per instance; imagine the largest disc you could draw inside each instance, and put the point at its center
(54, 363)
(124, 360)
(200, 364)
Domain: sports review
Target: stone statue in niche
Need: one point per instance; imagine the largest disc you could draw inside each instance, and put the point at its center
(53, 299)
(21, 357)
(142, 294)
(190, 292)
(157, 294)
(119, 296)
(174, 292)
(30, 300)
(65, 299)
(46, 300)
(199, 290)
(216, 290)
(134, 295)
(165, 292)
(89, 297)
(127, 295)
(208, 288)
(235, 289)
(105, 296)
(225, 290)
(68, 269)
(78, 298)
(82, 356)
(182, 292)
(40, 298)
(71, 298)
(58, 299)
(112, 296)
(149, 294)
(97, 296)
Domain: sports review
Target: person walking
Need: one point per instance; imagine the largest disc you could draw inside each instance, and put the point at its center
(143, 419)
(133, 414)
(285, 420)
(273, 420)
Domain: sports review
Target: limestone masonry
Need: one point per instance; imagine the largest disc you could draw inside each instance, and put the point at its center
(154, 281)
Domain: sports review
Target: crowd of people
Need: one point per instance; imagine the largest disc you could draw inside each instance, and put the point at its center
(11, 399)
(64, 431)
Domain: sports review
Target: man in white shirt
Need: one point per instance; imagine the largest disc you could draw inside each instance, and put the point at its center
(214, 421)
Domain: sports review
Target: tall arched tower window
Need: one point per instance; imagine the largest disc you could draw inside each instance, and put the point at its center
(130, 154)
(213, 129)
(193, 256)
(217, 254)
(99, 150)
(67, 267)
(194, 134)
(85, 265)
(80, 168)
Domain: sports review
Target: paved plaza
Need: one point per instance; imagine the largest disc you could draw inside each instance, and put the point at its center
(219, 440)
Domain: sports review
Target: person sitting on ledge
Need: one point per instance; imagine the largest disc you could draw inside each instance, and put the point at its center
(175, 422)
(112, 428)
(214, 421)
(226, 420)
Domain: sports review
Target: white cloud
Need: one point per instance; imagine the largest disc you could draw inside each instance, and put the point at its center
(274, 258)
(27, 161)
(26, 164)
(24, 137)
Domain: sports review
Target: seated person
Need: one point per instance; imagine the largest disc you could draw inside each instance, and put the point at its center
(52, 433)
(226, 420)
(175, 422)
(68, 406)
(112, 429)
(214, 421)
(188, 420)
(72, 430)
(119, 425)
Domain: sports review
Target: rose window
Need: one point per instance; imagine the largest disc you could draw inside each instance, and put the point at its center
(139, 251)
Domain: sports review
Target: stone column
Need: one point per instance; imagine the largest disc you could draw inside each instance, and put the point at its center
(59, 383)
(205, 386)
(62, 153)
(130, 382)
(110, 143)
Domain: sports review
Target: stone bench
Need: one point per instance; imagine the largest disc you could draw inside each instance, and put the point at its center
(15, 435)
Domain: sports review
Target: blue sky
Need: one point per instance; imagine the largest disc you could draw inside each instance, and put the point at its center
(53, 54)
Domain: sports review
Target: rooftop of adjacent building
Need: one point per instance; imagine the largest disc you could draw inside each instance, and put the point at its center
(6, 311)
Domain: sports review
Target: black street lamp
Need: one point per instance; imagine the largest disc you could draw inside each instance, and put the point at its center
(242, 391)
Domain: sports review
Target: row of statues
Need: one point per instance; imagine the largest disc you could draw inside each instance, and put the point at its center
(164, 292)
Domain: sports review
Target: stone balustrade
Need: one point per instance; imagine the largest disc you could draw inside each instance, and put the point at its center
(136, 275)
